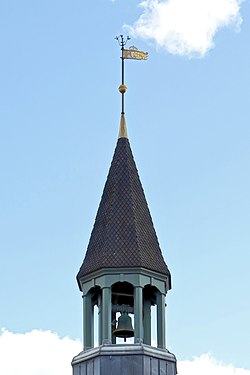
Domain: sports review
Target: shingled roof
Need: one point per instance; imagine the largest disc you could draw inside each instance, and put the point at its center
(123, 235)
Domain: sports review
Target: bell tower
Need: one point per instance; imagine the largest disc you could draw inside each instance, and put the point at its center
(124, 277)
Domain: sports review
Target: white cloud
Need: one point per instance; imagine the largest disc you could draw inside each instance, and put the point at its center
(185, 27)
(207, 365)
(45, 353)
(36, 353)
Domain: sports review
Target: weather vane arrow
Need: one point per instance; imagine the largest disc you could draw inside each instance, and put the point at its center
(132, 53)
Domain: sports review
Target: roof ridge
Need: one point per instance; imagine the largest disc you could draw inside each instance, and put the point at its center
(133, 205)
(111, 212)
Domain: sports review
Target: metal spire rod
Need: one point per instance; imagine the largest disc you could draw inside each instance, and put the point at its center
(122, 42)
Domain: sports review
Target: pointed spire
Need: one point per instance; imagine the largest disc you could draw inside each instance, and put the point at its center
(123, 128)
(123, 235)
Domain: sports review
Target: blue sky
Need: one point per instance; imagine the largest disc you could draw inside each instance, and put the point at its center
(188, 116)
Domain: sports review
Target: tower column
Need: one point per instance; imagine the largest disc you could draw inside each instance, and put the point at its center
(161, 320)
(88, 322)
(138, 308)
(147, 321)
(106, 316)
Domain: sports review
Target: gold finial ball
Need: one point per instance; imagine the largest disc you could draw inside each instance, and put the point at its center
(122, 89)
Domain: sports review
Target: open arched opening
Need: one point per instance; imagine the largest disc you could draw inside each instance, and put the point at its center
(122, 312)
(91, 320)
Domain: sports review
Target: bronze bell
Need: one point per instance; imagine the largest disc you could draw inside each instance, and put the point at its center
(124, 328)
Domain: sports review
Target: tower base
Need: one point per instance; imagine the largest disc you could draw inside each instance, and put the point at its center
(134, 359)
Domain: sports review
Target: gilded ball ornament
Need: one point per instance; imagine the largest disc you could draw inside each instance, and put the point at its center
(122, 89)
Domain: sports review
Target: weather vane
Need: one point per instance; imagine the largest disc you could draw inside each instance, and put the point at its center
(131, 53)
